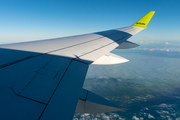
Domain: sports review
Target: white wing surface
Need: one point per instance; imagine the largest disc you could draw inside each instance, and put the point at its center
(42, 80)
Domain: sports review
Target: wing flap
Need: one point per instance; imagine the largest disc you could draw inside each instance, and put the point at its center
(92, 103)
(127, 45)
(109, 59)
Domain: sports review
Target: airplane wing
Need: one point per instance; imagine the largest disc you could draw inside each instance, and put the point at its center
(42, 80)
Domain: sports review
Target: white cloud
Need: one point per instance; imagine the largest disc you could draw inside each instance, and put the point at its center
(104, 117)
(160, 49)
(94, 119)
(98, 115)
(120, 118)
(143, 98)
(150, 116)
(86, 116)
(168, 117)
(173, 114)
(135, 118)
(165, 106)
(177, 97)
(162, 112)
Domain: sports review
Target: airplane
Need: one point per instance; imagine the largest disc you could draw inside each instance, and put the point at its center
(43, 80)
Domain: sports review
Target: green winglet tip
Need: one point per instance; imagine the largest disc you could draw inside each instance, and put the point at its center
(143, 22)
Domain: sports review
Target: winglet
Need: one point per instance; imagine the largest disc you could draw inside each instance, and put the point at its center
(143, 22)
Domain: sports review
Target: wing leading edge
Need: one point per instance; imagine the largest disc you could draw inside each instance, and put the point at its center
(44, 79)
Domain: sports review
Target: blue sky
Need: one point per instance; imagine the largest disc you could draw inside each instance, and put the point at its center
(26, 20)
